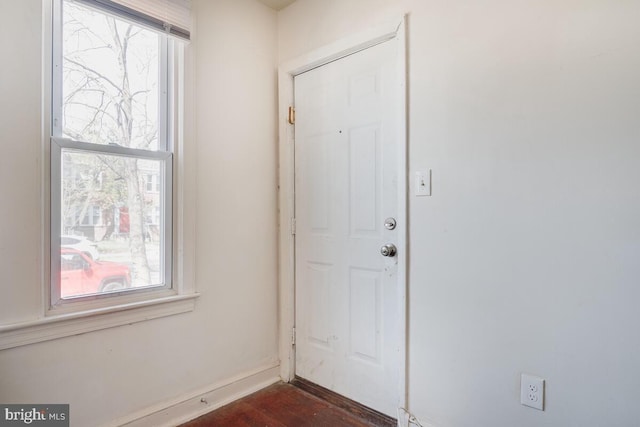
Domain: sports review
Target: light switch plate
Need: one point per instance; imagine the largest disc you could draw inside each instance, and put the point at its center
(423, 183)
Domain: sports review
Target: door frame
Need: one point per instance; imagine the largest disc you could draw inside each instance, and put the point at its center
(286, 181)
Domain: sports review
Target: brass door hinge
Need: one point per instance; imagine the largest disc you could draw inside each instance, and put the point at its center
(292, 116)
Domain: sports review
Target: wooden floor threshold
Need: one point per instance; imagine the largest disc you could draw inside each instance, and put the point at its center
(358, 410)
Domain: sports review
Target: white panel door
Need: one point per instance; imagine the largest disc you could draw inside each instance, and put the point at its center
(347, 294)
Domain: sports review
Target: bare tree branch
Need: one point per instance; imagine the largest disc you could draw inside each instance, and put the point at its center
(91, 70)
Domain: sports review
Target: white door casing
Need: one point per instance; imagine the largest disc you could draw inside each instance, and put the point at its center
(348, 180)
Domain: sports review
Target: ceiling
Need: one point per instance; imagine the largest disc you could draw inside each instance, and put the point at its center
(277, 4)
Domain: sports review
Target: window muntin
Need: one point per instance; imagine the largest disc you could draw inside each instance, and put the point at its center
(110, 131)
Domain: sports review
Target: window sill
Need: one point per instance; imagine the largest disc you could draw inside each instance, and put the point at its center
(64, 325)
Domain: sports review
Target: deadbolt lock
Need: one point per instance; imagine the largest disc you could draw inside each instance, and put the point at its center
(390, 223)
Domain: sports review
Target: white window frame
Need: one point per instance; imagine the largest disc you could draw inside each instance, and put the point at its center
(164, 155)
(94, 315)
(166, 176)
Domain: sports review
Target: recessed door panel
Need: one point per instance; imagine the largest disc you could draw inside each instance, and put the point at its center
(365, 180)
(319, 332)
(365, 315)
(319, 183)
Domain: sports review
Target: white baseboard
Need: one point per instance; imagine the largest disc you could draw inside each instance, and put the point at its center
(188, 407)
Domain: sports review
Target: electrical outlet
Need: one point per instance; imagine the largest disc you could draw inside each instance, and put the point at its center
(532, 391)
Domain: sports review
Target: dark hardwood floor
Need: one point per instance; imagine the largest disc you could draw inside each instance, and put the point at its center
(280, 405)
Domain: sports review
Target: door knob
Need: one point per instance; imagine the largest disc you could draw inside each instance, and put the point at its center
(388, 250)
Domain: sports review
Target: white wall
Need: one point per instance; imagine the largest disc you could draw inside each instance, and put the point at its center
(526, 257)
(114, 373)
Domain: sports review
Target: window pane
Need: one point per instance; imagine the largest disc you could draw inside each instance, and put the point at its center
(111, 226)
(111, 80)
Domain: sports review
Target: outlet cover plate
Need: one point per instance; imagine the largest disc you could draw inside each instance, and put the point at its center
(532, 391)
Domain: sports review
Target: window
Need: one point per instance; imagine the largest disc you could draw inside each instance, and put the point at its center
(153, 184)
(111, 149)
(90, 216)
(108, 125)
